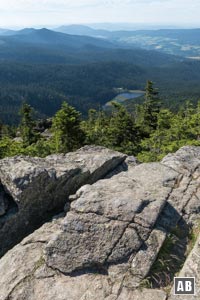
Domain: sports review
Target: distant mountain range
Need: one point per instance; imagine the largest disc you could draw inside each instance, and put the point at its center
(184, 42)
(84, 66)
(48, 37)
(46, 46)
(84, 30)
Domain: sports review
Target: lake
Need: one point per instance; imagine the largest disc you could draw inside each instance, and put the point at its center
(120, 98)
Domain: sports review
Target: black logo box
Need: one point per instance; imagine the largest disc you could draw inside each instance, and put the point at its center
(184, 285)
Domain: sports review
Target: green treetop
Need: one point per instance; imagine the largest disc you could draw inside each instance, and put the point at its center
(66, 129)
(148, 113)
(27, 125)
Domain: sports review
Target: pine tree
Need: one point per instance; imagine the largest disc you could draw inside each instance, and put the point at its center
(66, 129)
(27, 125)
(153, 147)
(148, 113)
(95, 127)
(122, 134)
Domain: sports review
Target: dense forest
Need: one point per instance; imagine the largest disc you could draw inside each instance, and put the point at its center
(45, 68)
(149, 132)
(61, 82)
(89, 86)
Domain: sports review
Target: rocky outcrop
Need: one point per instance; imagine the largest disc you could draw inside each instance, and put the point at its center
(191, 268)
(112, 231)
(34, 189)
(110, 220)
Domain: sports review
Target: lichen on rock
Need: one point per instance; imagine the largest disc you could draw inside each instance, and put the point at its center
(114, 226)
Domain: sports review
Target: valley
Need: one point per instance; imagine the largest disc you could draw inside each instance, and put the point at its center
(99, 150)
(183, 42)
(45, 68)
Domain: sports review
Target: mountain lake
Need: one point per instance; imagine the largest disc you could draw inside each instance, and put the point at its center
(126, 95)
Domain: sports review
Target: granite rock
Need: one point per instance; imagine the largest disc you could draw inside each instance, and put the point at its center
(108, 238)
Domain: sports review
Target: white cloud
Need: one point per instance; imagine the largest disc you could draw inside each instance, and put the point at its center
(33, 12)
(66, 4)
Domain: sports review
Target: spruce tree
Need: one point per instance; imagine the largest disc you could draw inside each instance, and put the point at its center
(150, 109)
(95, 127)
(66, 129)
(27, 125)
(122, 134)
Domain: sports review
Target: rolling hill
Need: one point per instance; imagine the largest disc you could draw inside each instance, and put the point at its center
(44, 68)
(47, 46)
(184, 42)
(48, 37)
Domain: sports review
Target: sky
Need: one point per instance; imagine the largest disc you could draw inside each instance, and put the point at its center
(26, 13)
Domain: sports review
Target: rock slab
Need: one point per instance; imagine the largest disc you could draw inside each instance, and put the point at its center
(33, 189)
(109, 238)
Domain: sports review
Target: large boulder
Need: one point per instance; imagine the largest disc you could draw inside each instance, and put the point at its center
(184, 201)
(92, 252)
(110, 220)
(34, 189)
(110, 236)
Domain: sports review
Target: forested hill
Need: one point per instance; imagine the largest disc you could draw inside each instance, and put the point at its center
(48, 37)
(184, 42)
(45, 68)
(46, 46)
(183, 35)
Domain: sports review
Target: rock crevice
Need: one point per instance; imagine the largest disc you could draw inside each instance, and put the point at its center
(114, 226)
(39, 188)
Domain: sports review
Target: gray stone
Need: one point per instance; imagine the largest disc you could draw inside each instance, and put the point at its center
(183, 202)
(185, 161)
(191, 268)
(142, 294)
(26, 276)
(145, 257)
(37, 188)
(86, 241)
(112, 232)
(99, 229)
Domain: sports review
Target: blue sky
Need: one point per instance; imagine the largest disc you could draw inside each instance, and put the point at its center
(25, 13)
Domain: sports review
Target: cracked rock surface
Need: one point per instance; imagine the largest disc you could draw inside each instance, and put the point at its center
(111, 233)
(33, 189)
(191, 268)
(102, 225)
